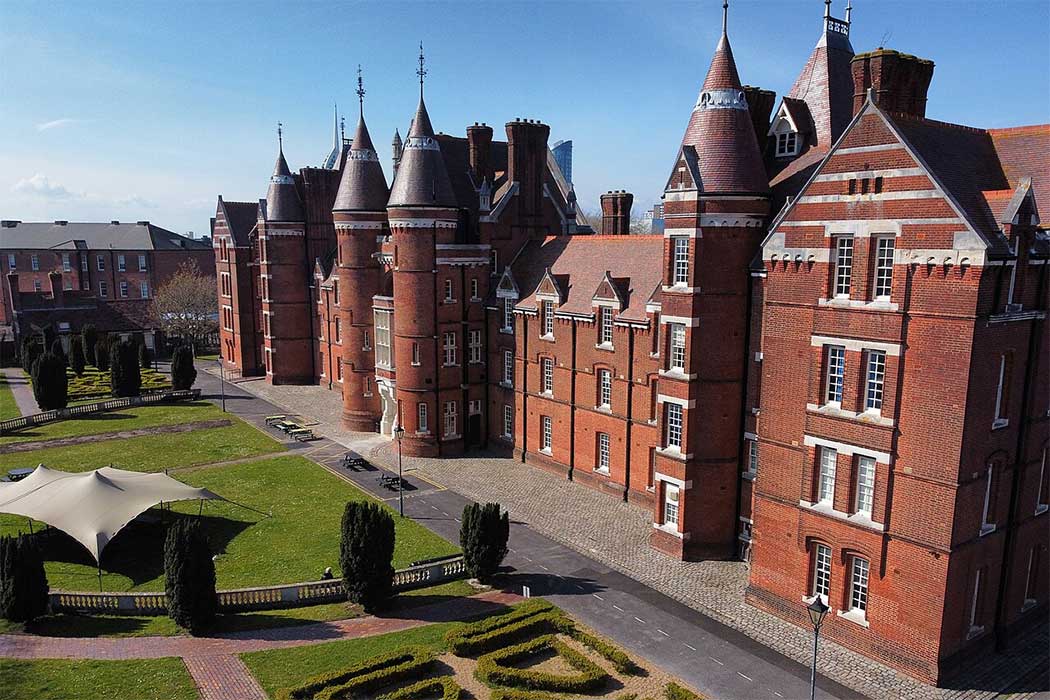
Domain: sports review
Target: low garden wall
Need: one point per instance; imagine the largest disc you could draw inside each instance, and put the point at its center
(15, 424)
(292, 595)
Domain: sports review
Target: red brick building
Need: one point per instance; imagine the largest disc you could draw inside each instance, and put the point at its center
(832, 362)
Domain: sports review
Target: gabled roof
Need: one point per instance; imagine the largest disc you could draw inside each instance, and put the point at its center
(282, 199)
(74, 235)
(241, 218)
(580, 265)
(552, 285)
(614, 289)
(422, 179)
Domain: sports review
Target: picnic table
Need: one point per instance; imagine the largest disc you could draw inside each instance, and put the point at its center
(287, 426)
(19, 474)
(272, 420)
(354, 463)
(392, 482)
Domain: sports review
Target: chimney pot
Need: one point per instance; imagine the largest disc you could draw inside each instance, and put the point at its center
(895, 81)
(616, 212)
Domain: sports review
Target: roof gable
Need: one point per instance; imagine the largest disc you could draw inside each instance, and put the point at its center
(612, 290)
(551, 287)
(507, 287)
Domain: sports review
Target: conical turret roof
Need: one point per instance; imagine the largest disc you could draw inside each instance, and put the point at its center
(282, 199)
(422, 179)
(721, 132)
(363, 185)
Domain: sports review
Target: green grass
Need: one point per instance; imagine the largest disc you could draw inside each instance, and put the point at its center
(8, 408)
(296, 544)
(284, 668)
(128, 419)
(150, 453)
(60, 679)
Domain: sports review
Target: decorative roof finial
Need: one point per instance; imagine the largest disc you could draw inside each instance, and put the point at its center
(342, 128)
(360, 90)
(827, 9)
(725, 14)
(849, 9)
(422, 71)
(280, 139)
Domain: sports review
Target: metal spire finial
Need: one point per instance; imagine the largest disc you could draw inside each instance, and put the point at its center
(827, 9)
(360, 90)
(849, 10)
(280, 139)
(342, 128)
(725, 15)
(422, 71)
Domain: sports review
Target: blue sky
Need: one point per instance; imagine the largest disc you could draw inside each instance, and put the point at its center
(149, 110)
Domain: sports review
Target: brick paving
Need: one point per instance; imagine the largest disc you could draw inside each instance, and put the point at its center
(616, 534)
(22, 390)
(223, 677)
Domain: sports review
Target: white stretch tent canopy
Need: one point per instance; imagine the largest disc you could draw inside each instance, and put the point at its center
(92, 507)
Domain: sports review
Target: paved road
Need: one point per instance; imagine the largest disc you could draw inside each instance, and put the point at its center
(711, 657)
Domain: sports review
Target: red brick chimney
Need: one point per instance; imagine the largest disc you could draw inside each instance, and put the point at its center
(616, 212)
(479, 143)
(760, 105)
(55, 278)
(898, 81)
(526, 165)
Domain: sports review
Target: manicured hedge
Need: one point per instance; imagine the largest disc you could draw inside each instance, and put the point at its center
(491, 669)
(611, 653)
(494, 632)
(673, 691)
(404, 664)
(445, 686)
(516, 694)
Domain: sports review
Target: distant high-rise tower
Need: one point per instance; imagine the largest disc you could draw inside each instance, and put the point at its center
(563, 157)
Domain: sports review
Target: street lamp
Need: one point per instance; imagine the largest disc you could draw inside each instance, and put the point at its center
(222, 385)
(817, 610)
(399, 433)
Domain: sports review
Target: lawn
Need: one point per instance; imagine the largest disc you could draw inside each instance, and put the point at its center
(148, 453)
(147, 679)
(112, 421)
(8, 408)
(282, 668)
(296, 544)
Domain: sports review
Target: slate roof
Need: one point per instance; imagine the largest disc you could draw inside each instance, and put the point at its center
(579, 264)
(282, 199)
(241, 218)
(825, 85)
(422, 179)
(1024, 151)
(95, 236)
(363, 184)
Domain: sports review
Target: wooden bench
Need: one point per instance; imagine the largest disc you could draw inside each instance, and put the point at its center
(272, 420)
(302, 434)
(391, 482)
(354, 463)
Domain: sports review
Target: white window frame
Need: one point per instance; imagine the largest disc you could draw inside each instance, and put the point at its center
(448, 348)
(450, 415)
(100, 263)
(787, 144)
(864, 498)
(875, 381)
(827, 468)
(821, 572)
(83, 263)
(508, 368)
(338, 327)
(752, 456)
(508, 315)
(680, 265)
(974, 627)
(1000, 420)
(604, 388)
(122, 263)
(1041, 505)
(835, 375)
(123, 289)
(34, 262)
(474, 289)
(860, 573)
(508, 421)
(66, 266)
(12, 261)
(883, 277)
(422, 418)
(415, 354)
(144, 289)
(605, 326)
(547, 375)
(225, 284)
(384, 352)
(843, 281)
(672, 504)
(449, 293)
(37, 286)
(548, 318)
(546, 434)
(227, 319)
(604, 453)
(103, 289)
(987, 527)
(673, 426)
(142, 263)
(676, 361)
(474, 338)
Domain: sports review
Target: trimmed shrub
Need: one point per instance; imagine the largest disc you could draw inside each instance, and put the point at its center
(445, 687)
(58, 351)
(189, 577)
(610, 652)
(519, 631)
(89, 336)
(23, 583)
(183, 373)
(489, 633)
(517, 694)
(386, 669)
(589, 675)
(673, 691)
(77, 361)
(27, 353)
(50, 384)
(102, 354)
(366, 553)
(145, 357)
(124, 376)
(483, 536)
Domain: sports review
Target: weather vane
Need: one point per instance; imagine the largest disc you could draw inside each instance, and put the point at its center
(280, 140)
(360, 90)
(422, 71)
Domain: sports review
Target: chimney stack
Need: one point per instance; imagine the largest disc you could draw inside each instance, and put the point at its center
(760, 105)
(616, 212)
(898, 82)
(527, 166)
(479, 143)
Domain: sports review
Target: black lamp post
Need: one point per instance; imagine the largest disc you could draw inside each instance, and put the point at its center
(222, 384)
(817, 610)
(399, 433)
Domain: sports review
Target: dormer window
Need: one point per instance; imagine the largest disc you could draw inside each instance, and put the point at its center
(787, 144)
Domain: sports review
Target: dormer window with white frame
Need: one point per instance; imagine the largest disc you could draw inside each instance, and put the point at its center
(787, 144)
(605, 326)
(785, 134)
(547, 310)
(508, 315)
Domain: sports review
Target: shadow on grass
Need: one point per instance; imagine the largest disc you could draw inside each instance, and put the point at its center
(137, 552)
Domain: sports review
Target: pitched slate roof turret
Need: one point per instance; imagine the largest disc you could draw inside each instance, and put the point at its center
(720, 130)
(363, 186)
(422, 179)
(282, 199)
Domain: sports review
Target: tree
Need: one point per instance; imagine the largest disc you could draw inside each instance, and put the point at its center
(76, 355)
(102, 354)
(640, 225)
(124, 376)
(23, 583)
(483, 536)
(186, 306)
(28, 352)
(189, 577)
(145, 361)
(90, 339)
(50, 385)
(183, 373)
(58, 351)
(366, 553)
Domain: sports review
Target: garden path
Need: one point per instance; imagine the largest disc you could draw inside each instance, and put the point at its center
(22, 390)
